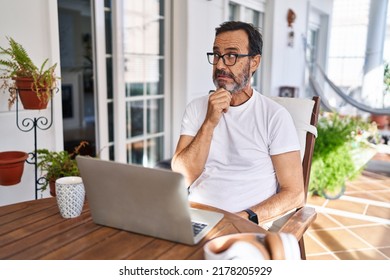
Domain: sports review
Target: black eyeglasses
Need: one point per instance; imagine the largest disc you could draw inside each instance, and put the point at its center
(228, 58)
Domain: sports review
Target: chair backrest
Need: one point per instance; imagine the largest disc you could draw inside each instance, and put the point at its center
(304, 112)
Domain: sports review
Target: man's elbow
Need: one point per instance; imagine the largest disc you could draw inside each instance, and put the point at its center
(174, 165)
(300, 199)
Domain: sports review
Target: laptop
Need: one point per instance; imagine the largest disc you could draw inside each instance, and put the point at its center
(143, 200)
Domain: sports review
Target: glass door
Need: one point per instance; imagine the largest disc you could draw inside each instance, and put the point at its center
(77, 72)
(144, 76)
(116, 56)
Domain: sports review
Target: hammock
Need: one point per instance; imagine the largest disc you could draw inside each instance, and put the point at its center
(350, 100)
(318, 92)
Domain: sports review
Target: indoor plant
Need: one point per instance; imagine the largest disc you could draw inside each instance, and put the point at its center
(58, 164)
(34, 83)
(340, 140)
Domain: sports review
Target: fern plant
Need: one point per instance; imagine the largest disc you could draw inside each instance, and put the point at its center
(58, 164)
(18, 64)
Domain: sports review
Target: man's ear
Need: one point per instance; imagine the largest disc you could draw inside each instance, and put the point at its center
(255, 62)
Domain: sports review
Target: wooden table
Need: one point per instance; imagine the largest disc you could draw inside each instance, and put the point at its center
(36, 230)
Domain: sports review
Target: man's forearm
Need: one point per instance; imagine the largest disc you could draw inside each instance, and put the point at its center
(273, 207)
(191, 159)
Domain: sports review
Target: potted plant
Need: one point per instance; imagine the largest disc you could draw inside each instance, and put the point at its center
(58, 164)
(34, 83)
(340, 146)
(383, 121)
(11, 167)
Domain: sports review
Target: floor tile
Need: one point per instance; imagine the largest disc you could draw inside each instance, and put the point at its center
(367, 186)
(378, 236)
(339, 240)
(377, 211)
(371, 254)
(381, 156)
(323, 222)
(312, 246)
(385, 251)
(368, 175)
(349, 206)
(346, 221)
(333, 237)
(321, 257)
(316, 200)
(352, 188)
(383, 196)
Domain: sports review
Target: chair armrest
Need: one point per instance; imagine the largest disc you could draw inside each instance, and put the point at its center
(299, 222)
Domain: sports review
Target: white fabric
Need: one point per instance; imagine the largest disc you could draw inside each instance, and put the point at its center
(290, 246)
(300, 110)
(243, 248)
(240, 250)
(239, 172)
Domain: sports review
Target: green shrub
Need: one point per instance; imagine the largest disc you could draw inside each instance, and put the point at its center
(332, 161)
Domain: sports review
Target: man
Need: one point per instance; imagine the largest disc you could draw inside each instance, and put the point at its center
(238, 150)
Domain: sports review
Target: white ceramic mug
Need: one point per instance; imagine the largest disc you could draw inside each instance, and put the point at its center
(70, 196)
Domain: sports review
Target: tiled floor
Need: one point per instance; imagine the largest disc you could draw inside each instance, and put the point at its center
(357, 225)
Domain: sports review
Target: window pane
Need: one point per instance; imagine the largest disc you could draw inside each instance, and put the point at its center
(233, 11)
(134, 89)
(134, 74)
(110, 108)
(143, 23)
(143, 27)
(133, 27)
(152, 88)
(108, 29)
(155, 115)
(252, 16)
(154, 76)
(152, 37)
(154, 151)
(111, 152)
(135, 152)
(135, 117)
(109, 74)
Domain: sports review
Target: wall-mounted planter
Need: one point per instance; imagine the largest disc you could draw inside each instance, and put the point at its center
(11, 167)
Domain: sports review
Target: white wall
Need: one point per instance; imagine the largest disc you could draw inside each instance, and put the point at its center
(286, 65)
(34, 24)
(202, 31)
(286, 69)
(194, 23)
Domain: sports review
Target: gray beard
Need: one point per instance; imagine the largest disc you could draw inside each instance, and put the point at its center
(235, 87)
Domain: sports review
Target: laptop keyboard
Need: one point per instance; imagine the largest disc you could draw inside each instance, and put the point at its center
(197, 227)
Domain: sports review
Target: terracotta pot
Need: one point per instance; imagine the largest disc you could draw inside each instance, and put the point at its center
(28, 97)
(381, 120)
(11, 167)
(52, 185)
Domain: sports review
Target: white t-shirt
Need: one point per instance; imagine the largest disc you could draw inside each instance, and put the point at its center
(239, 172)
